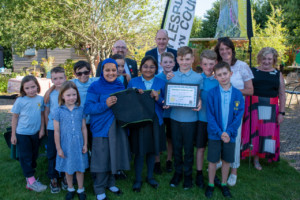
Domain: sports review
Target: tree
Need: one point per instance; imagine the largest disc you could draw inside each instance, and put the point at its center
(91, 26)
(274, 35)
(7, 57)
(291, 18)
(195, 32)
(210, 21)
(261, 11)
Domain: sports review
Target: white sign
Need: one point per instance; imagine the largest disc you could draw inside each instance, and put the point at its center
(179, 22)
(30, 52)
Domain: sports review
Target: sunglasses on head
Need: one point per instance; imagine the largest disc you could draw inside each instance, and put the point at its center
(81, 73)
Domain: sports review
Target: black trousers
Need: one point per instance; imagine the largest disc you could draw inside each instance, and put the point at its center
(51, 155)
(89, 137)
(28, 149)
(183, 134)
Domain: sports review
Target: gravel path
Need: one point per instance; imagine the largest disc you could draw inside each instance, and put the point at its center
(5, 114)
(290, 136)
(290, 130)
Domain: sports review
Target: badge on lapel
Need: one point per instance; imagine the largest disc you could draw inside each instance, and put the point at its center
(236, 105)
(131, 71)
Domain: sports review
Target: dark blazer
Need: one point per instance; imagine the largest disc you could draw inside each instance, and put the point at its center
(153, 52)
(132, 65)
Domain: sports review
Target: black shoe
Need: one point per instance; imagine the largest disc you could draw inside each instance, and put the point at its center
(54, 186)
(137, 186)
(120, 175)
(199, 180)
(81, 196)
(152, 182)
(187, 182)
(217, 182)
(118, 193)
(70, 195)
(209, 192)
(169, 166)
(175, 180)
(64, 184)
(225, 191)
(157, 168)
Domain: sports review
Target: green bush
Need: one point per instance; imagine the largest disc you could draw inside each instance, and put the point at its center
(68, 66)
(4, 80)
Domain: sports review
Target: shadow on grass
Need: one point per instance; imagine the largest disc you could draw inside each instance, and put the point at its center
(276, 181)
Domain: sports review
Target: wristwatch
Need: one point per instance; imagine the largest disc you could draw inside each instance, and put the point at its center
(282, 113)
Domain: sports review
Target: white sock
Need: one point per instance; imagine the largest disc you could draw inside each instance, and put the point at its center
(233, 175)
(80, 190)
(101, 196)
(71, 189)
(114, 189)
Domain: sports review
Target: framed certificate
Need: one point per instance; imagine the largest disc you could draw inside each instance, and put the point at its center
(182, 95)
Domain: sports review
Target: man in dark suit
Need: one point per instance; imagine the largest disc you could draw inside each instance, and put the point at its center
(162, 40)
(130, 65)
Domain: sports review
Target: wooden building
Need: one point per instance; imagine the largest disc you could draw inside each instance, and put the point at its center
(60, 56)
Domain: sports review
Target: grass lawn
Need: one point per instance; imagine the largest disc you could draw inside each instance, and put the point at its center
(276, 181)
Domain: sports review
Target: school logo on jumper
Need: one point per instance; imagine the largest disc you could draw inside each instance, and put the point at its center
(236, 103)
(158, 91)
(39, 105)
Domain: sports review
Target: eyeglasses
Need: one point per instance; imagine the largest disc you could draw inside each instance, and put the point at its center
(81, 73)
(149, 67)
(118, 47)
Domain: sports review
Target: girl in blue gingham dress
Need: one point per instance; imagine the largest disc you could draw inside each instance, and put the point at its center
(70, 135)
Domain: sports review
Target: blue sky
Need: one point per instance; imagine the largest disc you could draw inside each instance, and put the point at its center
(202, 6)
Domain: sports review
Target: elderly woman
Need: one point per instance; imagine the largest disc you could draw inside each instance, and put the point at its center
(240, 79)
(266, 111)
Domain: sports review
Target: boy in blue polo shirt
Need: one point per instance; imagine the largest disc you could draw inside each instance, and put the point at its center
(184, 121)
(168, 63)
(82, 71)
(58, 77)
(208, 59)
(224, 114)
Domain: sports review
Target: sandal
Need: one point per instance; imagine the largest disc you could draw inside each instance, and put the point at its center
(257, 165)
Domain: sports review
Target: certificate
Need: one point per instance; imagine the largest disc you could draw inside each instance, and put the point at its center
(182, 95)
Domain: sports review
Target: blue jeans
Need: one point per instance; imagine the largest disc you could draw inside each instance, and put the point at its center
(51, 154)
(28, 149)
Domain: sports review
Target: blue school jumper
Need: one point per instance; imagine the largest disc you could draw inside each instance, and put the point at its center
(166, 112)
(214, 114)
(158, 85)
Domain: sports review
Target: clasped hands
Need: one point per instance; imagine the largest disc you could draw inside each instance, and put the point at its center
(225, 137)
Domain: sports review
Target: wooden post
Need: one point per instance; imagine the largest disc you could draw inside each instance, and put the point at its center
(1, 57)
